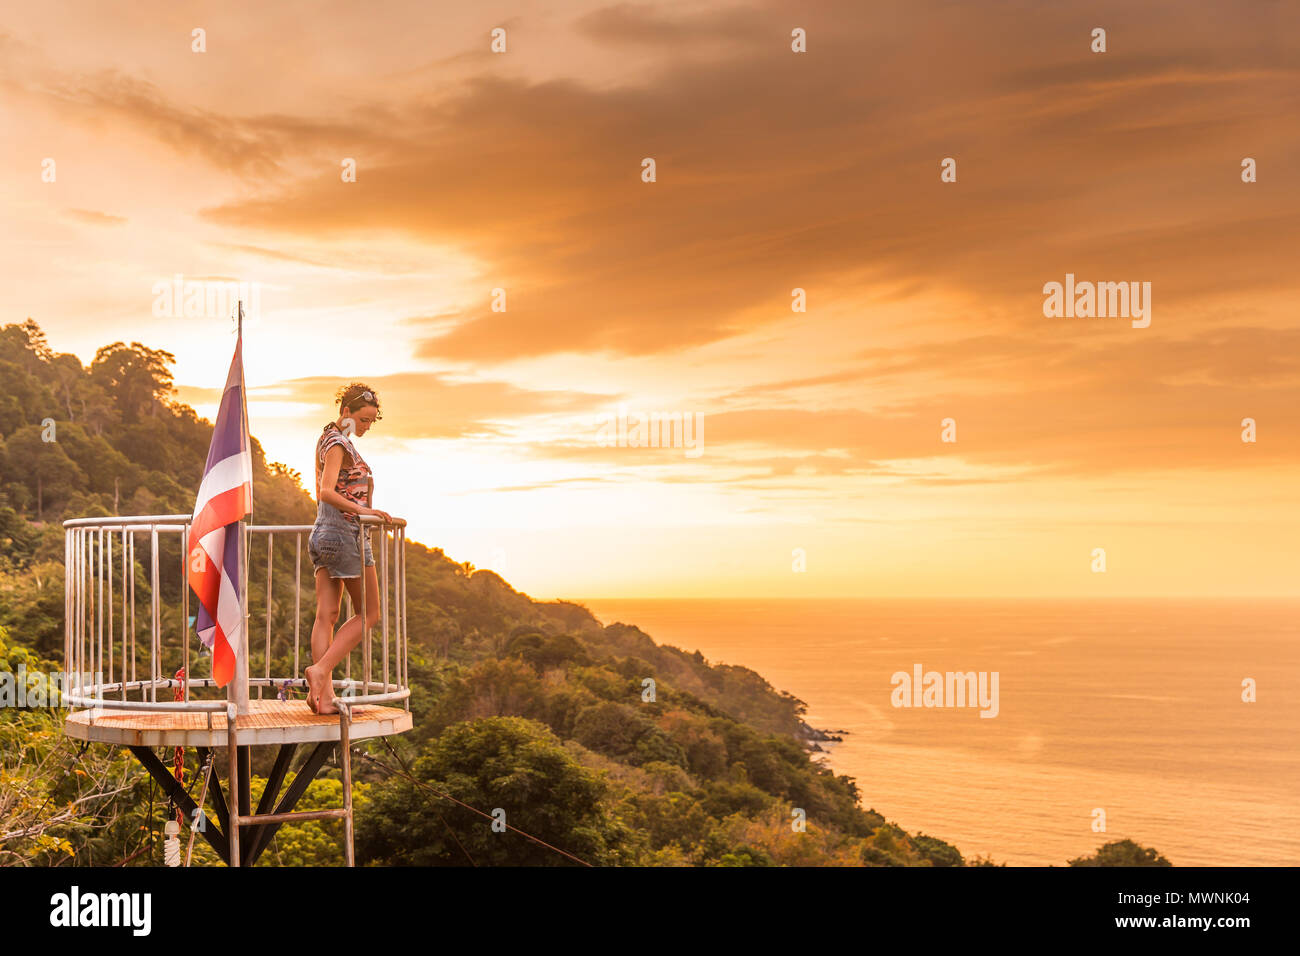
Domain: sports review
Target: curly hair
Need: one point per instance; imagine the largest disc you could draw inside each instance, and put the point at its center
(353, 396)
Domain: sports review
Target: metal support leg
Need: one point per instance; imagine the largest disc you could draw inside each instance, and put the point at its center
(232, 750)
(218, 798)
(306, 773)
(272, 790)
(345, 745)
(245, 780)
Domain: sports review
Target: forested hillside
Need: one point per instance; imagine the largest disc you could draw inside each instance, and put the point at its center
(530, 706)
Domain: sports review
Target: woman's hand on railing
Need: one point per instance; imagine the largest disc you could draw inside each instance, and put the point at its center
(384, 515)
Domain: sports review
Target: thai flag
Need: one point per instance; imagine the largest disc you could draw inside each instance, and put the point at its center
(225, 496)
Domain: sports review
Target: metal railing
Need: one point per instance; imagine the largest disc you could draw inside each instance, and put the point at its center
(103, 642)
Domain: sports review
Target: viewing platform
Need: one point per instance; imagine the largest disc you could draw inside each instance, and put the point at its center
(267, 722)
(131, 665)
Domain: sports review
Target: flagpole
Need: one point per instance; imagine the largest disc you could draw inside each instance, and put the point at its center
(238, 693)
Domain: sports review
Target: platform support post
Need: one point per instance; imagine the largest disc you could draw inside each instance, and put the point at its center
(245, 780)
(232, 749)
(345, 752)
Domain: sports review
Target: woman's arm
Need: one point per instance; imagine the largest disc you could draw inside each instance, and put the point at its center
(330, 477)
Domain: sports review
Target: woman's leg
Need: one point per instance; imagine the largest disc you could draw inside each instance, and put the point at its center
(329, 595)
(349, 635)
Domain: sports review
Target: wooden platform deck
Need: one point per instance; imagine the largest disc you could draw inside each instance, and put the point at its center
(268, 722)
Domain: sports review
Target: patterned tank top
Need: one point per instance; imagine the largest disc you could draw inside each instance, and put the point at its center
(353, 472)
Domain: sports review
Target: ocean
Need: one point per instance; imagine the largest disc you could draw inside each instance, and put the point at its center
(1122, 713)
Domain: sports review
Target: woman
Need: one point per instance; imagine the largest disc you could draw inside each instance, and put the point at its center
(343, 483)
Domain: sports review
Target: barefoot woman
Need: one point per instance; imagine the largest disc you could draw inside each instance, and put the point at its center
(342, 480)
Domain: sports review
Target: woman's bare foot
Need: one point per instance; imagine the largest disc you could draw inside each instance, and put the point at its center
(325, 704)
(321, 688)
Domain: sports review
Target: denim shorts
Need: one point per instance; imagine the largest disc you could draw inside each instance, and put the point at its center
(333, 544)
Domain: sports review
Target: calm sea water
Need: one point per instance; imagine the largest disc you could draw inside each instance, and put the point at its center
(1129, 706)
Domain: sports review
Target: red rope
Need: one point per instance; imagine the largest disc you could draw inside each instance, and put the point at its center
(178, 758)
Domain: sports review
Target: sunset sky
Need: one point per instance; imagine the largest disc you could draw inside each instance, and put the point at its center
(776, 171)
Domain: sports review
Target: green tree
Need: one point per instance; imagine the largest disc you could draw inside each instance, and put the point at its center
(508, 764)
(46, 470)
(609, 728)
(1122, 853)
(136, 376)
(937, 851)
